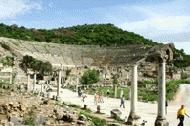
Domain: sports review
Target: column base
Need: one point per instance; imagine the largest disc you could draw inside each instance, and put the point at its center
(161, 122)
(133, 119)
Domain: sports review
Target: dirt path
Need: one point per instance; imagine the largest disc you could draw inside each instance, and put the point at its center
(147, 111)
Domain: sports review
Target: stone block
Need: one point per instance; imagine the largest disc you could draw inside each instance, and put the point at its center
(116, 113)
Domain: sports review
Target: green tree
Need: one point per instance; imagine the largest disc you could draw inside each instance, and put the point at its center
(7, 61)
(43, 68)
(90, 77)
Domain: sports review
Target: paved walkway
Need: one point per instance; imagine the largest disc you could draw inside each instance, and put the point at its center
(147, 111)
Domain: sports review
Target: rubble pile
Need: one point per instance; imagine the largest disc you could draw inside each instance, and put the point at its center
(30, 110)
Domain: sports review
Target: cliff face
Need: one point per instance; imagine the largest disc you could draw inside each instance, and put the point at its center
(108, 60)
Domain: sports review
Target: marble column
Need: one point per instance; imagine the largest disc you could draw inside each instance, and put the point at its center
(11, 79)
(161, 119)
(42, 88)
(34, 84)
(28, 82)
(59, 84)
(133, 118)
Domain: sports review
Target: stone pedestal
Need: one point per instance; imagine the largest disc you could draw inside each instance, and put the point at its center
(133, 117)
(98, 109)
(115, 113)
(161, 120)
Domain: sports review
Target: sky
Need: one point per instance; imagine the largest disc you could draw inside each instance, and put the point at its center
(160, 20)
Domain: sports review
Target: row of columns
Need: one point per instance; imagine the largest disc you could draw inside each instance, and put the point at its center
(35, 80)
(133, 118)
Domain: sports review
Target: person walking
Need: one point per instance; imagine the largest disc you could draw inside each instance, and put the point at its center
(101, 97)
(95, 98)
(166, 106)
(122, 101)
(79, 92)
(83, 96)
(181, 114)
(108, 92)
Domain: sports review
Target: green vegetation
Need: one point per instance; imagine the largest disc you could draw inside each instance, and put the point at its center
(36, 65)
(30, 118)
(103, 90)
(97, 34)
(7, 61)
(4, 84)
(95, 120)
(150, 94)
(147, 90)
(115, 79)
(172, 87)
(90, 77)
(29, 121)
(184, 62)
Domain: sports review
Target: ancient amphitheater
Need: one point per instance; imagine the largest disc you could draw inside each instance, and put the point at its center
(109, 60)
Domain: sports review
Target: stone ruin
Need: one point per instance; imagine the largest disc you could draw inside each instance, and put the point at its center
(76, 59)
(146, 62)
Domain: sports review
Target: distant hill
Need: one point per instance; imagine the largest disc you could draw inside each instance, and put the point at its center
(96, 34)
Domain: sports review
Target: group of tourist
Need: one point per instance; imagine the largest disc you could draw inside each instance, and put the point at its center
(98, 98)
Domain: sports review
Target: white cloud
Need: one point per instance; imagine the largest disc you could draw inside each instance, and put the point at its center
(155, 25)
(163, 22)
(12, 8)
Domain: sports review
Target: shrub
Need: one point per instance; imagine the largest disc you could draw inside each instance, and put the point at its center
(7, 61)
(29, 121)
(90, 77)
